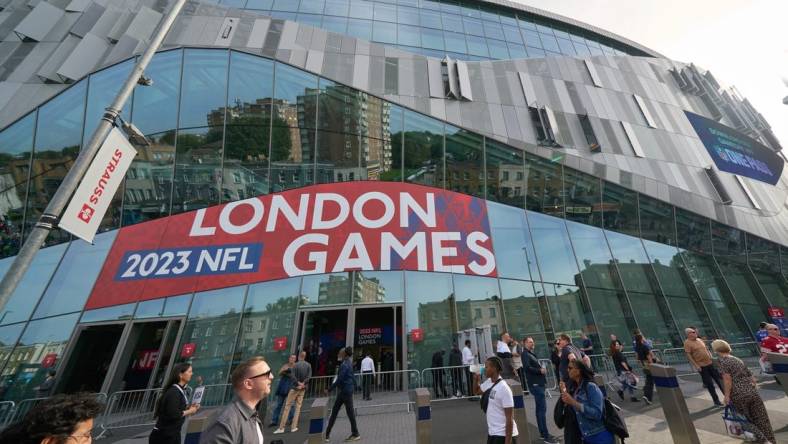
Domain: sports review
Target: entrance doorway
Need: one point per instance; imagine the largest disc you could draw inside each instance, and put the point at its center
(377, 329)
(323, 333)
(146, 355)
(91, 359)
(119, 356)
(378, 333)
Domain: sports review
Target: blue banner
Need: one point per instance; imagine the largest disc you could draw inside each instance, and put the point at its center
(736, 153)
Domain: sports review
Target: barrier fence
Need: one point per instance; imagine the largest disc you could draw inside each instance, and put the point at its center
(6, 412)
(377, 383)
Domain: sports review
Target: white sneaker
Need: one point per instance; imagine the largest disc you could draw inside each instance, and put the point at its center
(293, 429)
(646, 400)
(278, 431)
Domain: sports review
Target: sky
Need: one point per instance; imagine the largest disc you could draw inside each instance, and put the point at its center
(743, 43)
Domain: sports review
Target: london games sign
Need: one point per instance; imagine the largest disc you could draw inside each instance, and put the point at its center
(318, 229)
(736, 153)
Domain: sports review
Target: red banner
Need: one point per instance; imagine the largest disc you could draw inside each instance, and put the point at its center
(312, 230)
(776, 312)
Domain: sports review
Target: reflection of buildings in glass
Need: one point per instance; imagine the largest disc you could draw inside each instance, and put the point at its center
(367, 290)
(597, 275)
(565, 305)
(148, 179)
(481, 312)
(522, 315)
(23, 368)
(356, 137)
(13, 178)
(214, 338)
(259, 329)
(435, 319)
(47, 171)
(464, 176)
(505, 180)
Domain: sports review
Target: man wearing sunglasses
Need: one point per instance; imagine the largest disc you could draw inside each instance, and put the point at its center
(239, 422)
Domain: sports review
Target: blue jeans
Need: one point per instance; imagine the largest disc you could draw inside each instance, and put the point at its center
(280, 403)
(540, 408)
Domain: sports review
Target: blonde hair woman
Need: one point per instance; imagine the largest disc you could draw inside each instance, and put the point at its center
(740, 391)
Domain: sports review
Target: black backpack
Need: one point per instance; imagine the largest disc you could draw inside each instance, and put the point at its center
(614, 423)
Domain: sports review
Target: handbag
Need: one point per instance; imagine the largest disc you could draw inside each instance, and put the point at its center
(632, 379)
(736, 425)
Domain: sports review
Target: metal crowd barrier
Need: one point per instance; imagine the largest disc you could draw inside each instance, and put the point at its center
(131, 408)
(6, 412)
(11, 412)
(23, 407)
(450, 382)
(552, 380)
(379, 382)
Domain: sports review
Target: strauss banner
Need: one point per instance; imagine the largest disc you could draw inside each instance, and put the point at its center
(318, 229)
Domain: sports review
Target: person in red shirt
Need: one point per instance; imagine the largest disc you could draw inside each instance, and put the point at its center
(773, 343)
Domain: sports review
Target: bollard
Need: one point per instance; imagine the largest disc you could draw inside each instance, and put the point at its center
(317, 420)
(520, 418)
(779, 364)
(197, 424)
(600, 381)
(673, 405)
(421, 397)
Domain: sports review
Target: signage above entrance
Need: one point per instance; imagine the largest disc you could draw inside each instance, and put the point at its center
(312, 230)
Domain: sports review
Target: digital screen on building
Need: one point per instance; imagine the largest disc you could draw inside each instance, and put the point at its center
(319, 229)
(735, 152)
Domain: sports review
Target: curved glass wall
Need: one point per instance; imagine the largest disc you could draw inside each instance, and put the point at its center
(467, 30)
(575, 253)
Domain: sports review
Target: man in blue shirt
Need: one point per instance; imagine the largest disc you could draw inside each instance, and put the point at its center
(345, 382)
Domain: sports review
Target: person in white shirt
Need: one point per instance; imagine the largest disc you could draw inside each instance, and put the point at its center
(503, 351)
(467, 360)
(367, 373)
(501, 427)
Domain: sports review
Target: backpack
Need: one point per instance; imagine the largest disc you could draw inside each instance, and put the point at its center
(614, 423)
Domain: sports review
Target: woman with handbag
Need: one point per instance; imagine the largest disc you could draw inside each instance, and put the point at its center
(740, 390)
(624, 373)
(585, 398)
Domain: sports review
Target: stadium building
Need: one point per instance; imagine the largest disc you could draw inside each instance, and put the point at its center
(383, 174)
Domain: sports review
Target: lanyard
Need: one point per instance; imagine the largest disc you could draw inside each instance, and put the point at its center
(180, 389)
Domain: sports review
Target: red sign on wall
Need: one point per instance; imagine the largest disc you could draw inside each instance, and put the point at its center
(776, 312)
(188, 349)
(313, 230)
(49, 360)
(280, 343)
(417, 335)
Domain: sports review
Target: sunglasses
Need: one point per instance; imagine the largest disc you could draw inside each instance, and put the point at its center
(265, 374)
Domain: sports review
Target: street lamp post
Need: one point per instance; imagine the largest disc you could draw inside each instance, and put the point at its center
(51, 215)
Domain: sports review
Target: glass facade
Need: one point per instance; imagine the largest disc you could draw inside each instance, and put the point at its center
(574, 253)
(467, 30)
